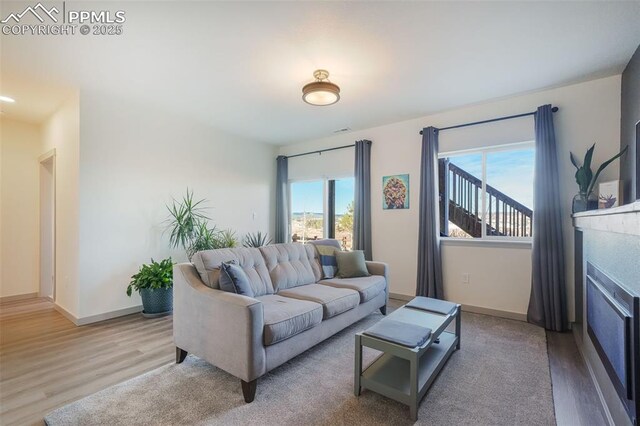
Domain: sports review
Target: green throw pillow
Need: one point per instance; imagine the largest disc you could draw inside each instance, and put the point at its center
(351, 264)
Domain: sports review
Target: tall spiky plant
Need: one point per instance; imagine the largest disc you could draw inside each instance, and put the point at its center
(185, 218)
(585, 178)
(257, 239)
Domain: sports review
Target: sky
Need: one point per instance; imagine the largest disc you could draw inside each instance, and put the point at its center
(308, 196)
(510, 172)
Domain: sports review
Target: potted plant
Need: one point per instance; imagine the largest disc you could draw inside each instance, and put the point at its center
(586, 180)
(154, 282)
(190, 229)
(257, 239)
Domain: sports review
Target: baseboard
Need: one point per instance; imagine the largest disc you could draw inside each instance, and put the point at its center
(68, 315)
(494, 312)
(109, 315)
(18, 297)
(470, 308)
(97, 318)
(592, 375)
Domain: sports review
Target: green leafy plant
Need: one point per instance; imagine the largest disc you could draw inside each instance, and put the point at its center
(185, 219)
(227, 238)
(585, 178)
(190, 228)
(257, 239)
(154, 275)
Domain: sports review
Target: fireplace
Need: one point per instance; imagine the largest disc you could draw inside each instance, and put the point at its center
(613, 314)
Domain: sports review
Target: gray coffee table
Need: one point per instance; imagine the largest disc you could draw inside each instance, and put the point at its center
(405, 374)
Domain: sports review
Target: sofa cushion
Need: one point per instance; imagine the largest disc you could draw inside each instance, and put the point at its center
(334, 300)
(291, 264)
(234, 280)
(327, 249)
(285, 317)
(351, 264)
(208, 262)
(368, 287)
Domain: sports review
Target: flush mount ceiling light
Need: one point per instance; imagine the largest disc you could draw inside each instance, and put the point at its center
(7, 99)
(321, 92)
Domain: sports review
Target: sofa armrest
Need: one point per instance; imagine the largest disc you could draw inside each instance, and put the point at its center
(379, 268)
(225, 329)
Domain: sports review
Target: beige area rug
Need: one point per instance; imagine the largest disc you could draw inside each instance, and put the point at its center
(499, 377)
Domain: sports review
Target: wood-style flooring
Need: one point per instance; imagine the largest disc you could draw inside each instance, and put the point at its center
(47, 362)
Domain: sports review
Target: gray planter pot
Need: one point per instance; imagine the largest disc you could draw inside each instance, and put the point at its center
(159, 301)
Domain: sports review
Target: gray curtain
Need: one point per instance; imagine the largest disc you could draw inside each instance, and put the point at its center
(362, 199)
(282, 204)
(548, 302)
(429, 281)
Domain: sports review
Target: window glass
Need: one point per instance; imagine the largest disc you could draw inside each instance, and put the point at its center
(307, 210)
(509, 195)
(501, 208)
(461, 197)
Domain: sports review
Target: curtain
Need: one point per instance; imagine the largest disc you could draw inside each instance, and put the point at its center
(429, 281)
(282, 204)
(362, 199)
(548, 301)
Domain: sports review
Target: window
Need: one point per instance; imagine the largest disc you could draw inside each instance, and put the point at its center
(487, 193)
(307, 210)
(322, 209)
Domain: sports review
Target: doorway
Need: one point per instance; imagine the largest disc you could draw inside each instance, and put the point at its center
(48, 225)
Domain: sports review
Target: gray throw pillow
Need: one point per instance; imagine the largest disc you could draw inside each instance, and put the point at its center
(234, 280)
(351, 264)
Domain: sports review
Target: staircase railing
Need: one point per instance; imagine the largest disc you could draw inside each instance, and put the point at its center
(505, 216)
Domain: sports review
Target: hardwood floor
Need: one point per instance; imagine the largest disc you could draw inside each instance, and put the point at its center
(47, 362)
(574, 395)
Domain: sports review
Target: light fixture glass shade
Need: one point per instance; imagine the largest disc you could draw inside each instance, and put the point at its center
(321, 92)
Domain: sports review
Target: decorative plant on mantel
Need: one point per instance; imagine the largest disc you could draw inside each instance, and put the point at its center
(586, 179)
(190, 228)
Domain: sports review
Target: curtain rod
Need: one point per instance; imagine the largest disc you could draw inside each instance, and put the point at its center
(554, 109)
(320, 151)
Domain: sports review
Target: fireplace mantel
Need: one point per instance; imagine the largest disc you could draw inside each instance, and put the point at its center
(622, 220)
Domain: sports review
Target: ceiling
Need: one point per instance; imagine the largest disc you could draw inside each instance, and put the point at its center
(240, 66)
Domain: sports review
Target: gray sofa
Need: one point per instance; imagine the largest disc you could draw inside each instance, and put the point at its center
(293, 308)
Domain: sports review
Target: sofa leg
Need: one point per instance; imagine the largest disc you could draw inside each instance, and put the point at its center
(383, 310)
(249, 390)
(181, 354)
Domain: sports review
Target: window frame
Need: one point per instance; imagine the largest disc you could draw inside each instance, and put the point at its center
(484, 238)
(326, 221)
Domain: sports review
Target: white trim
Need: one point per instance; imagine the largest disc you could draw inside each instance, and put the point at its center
(592, 375)
(504, 147)
(505, 242)
(471, 308)
(16, 297)
(97, 318)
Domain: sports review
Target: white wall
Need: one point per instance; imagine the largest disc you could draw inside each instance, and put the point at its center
(61, 131)
(19, 224)
(133, 159)
(500, 278)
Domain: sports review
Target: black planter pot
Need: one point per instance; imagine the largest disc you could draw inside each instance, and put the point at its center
(157, 302)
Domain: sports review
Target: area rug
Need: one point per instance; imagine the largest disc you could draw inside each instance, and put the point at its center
(499, 377)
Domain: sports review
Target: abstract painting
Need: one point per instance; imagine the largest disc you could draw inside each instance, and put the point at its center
(395, 192)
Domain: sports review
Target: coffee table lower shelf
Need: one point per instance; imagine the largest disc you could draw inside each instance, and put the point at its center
(390, 375)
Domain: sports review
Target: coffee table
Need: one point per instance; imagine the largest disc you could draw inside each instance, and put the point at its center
(405, 374)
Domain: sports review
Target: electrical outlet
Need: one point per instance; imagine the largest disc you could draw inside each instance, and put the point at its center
(465, 278)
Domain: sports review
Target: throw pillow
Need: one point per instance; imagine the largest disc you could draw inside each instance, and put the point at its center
(351, 264)
(327, 254)
(234, 280)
